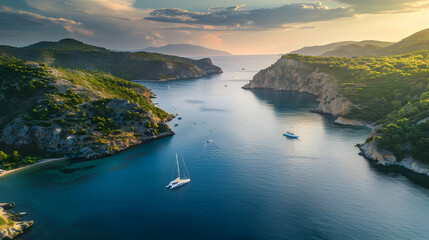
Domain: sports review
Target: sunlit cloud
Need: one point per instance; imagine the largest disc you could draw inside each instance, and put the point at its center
(378, 6)
(237, 17)
(119, 24)
(19, 20)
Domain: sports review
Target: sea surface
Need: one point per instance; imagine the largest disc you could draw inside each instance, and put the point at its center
(249, 183)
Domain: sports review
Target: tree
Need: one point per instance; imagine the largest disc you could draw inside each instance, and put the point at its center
(15, 157)
(3, 156)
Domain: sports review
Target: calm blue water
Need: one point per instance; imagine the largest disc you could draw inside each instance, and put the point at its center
(250, 183)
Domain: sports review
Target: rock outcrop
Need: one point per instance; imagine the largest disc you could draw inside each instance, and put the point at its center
(370, 151)
(290, 74)
(59, 140)
(352, 122)
(10, 224)
(75, 113)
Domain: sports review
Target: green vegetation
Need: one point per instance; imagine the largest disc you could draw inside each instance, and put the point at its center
(53, 112)
(377, 85)
(396, 137)
(112, 87)
(5, 222)
(69, 53)
(391, 91)
(15, 160)
(67, 44)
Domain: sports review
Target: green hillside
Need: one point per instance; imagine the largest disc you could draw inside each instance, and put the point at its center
(67, 44)
(393, 91)
(376, 86)
(46, 112)
(69, 53)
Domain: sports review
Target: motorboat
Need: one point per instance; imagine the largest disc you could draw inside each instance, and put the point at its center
(290, 134)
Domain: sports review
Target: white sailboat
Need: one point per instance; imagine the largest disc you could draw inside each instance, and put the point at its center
(179, 181)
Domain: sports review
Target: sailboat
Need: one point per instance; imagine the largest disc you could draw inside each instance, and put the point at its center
(179, 181)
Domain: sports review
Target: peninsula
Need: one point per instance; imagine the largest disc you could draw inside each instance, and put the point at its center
(70, 53)
(389, 93)
(48, 112)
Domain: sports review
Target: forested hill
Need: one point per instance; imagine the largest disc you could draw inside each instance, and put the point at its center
(70, 53)
(391, 91)
(186, 50)
(56, 112)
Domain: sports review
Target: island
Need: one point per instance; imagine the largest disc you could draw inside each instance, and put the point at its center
(388, 93)
(70, 53)
(188, 50)
(53, 112)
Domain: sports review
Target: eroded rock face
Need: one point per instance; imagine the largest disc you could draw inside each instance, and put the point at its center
(386, 158)
(289, 74)
(10, 226)
(352, 122)
(58, 140)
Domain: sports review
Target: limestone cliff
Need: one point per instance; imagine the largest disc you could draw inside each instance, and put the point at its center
(386, 158)
(290, 74)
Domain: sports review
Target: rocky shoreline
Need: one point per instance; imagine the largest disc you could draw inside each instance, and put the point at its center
(292, 75)
(386, 158)
(90, 157)
(10, 224)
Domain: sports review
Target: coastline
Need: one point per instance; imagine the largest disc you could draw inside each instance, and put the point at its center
(43, 161)
(370, 151)
(4, 173)
(386, 159)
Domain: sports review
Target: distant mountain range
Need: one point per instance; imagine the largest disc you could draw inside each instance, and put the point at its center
(187, 50)
(417, 41)
(70, 53)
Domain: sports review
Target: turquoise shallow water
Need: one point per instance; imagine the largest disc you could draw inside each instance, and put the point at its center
(250, 183)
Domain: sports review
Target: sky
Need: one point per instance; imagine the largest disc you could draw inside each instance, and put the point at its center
(237, 26)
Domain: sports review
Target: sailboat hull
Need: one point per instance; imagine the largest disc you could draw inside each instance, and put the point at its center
(181, 183)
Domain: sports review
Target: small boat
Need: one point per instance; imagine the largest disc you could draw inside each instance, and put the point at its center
(179, 181)
(290, 134)
(176, 125)
(209, 141)
(180, 118)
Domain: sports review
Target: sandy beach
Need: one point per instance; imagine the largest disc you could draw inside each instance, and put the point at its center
(43, 161)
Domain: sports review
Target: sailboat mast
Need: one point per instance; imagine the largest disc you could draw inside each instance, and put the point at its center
(178, 169)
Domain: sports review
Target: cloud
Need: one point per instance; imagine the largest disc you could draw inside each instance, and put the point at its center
(377, 6)
(112, 7)
(237, 17)
(18, 20)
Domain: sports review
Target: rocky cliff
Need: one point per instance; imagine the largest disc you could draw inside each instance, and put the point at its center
(51, 112)
(290, 74)
(10, 224)
(386, 158)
